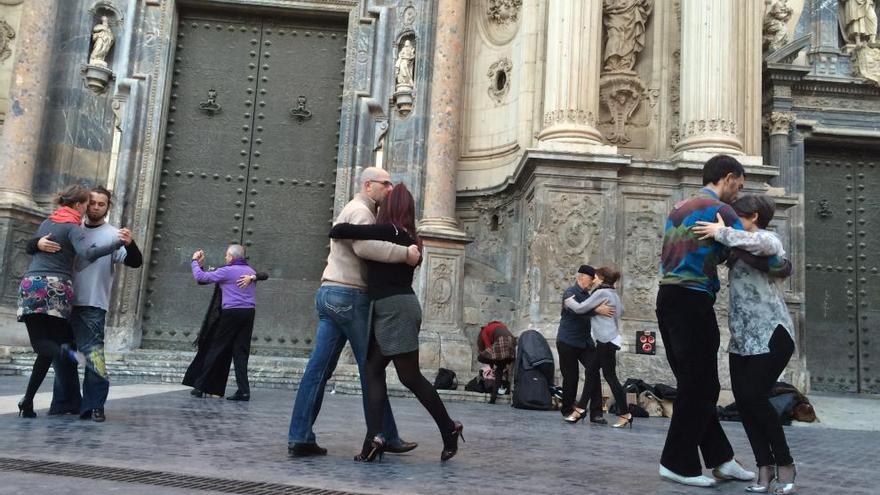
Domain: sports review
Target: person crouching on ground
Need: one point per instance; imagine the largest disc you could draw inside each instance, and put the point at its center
(497, 348)
(232, 340)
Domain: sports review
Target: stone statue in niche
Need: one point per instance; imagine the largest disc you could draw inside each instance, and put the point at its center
(625, 25)
(858, 21)
(102, 41)
(404, 68)
(866, 63)
(776, 16)
(404, 75)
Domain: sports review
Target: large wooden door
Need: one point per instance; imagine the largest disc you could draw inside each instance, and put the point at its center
(250, 158)
(842, 213)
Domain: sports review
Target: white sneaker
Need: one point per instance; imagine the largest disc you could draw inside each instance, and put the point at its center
(732, 470)
(686, 480)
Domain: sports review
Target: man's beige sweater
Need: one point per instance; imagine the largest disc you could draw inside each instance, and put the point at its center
(345, 265)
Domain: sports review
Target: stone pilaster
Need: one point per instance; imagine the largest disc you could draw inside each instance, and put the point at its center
(571, 83)
(708, 78)
(440, 282)
(20, 134)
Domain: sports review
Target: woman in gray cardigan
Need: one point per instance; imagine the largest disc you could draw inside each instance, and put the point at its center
(606, 333)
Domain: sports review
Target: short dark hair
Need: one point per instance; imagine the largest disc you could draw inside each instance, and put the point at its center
(719, 166)
(608, 275)
(106, 192)
(76, 193)
(749, 204)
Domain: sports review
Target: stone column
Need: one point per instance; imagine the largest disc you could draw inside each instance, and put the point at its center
(20, 134)
(709, 45)
(442, 271)
(445, 120)
(571, 81)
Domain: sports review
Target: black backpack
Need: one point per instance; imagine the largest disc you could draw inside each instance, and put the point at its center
(445, 380)
(533, 374)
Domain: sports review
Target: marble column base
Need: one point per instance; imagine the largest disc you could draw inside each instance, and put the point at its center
(702, 155)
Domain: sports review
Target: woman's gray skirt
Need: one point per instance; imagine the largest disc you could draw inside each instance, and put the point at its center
(396, 321)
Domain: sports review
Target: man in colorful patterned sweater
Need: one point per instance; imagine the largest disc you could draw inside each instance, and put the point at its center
(686, 317)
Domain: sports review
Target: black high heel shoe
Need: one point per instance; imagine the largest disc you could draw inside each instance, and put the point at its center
(373, 449)
(26, 409)
(450, 449)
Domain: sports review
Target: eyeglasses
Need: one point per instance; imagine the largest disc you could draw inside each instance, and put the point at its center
(386, 183)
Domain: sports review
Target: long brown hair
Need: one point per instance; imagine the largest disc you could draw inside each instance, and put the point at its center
(76, 193)
(609, 275)
(399, 208)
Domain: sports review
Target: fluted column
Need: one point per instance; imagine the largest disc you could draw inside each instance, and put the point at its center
(571, 82)
(708, 77)
(445, 121)
(20, 134)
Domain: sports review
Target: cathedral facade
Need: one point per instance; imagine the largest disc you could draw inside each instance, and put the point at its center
(536, 135)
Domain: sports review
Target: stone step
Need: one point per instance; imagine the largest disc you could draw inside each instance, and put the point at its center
(150, 366)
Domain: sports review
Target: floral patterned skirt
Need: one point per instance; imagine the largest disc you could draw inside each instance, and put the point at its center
(39, 294)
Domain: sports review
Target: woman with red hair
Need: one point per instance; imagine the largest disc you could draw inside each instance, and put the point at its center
(395, 323)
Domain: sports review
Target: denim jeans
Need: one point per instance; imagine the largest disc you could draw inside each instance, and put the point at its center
(343, 314)
(88, 328)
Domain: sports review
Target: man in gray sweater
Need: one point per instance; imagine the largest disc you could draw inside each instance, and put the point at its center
(343, 312)
(92, 282)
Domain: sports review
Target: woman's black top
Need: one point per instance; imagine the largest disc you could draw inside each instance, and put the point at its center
(383, 279)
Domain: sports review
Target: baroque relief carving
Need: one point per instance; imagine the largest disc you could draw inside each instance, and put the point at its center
(570, 116)
(622, 95)
(675, 99)
(503, 11)
(779, 122)
(702, 126)
(7, 34)
(776, 16)
(644, 240)
(866, 63)
(440, 302)
(499, 79)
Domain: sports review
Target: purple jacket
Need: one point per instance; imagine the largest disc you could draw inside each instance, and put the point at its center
(225, 276)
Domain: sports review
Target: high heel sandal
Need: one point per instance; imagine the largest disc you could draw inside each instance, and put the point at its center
(757, 487)
(575, 416)
(26, 409)
(624, 422)
(786, 488)
(372, 450)
(451, 449)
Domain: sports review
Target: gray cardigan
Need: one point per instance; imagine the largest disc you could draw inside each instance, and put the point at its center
(604, 328)
(69, 236)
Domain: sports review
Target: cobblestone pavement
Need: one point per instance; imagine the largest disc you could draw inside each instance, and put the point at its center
(507, 450)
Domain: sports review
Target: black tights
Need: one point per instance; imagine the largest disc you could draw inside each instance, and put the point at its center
(606, 360)
(47, 334)
(407, 366)
(752, 378)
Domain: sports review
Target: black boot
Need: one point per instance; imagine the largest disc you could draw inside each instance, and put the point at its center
(26, 409)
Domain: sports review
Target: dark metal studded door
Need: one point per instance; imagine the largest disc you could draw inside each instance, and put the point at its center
(250, 157)
(842, 280)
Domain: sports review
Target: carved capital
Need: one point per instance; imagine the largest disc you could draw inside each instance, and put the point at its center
(780, 122)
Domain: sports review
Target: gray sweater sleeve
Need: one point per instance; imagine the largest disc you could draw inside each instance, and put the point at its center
(588, 304)
(93, 252)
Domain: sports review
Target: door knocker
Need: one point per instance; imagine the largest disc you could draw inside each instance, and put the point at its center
(300, 113)
(211, 106)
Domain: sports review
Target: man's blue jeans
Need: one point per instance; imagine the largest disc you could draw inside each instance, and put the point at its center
(342, 316)
(88, 329)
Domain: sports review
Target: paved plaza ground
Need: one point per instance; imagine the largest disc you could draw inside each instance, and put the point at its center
(162, 441)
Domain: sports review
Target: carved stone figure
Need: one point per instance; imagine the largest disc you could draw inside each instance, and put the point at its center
(7, 34)
(102, 38)
(858, 21)
(625, 22)
(866, 63)
(404, 68)
(776, 15)
(622, 94)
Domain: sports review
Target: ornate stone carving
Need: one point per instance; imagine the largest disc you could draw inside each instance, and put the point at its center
(102, 41)
(776, 16)
(866, 63)
(570, 116)
(643, 242)
(780, 122)
(404, 74)
(675, 98)
(7, 34)
(701, 126)
(858, 21)
(622, 95)
(440, 303)
(499, 79)
(625, 25)
(503, 11)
